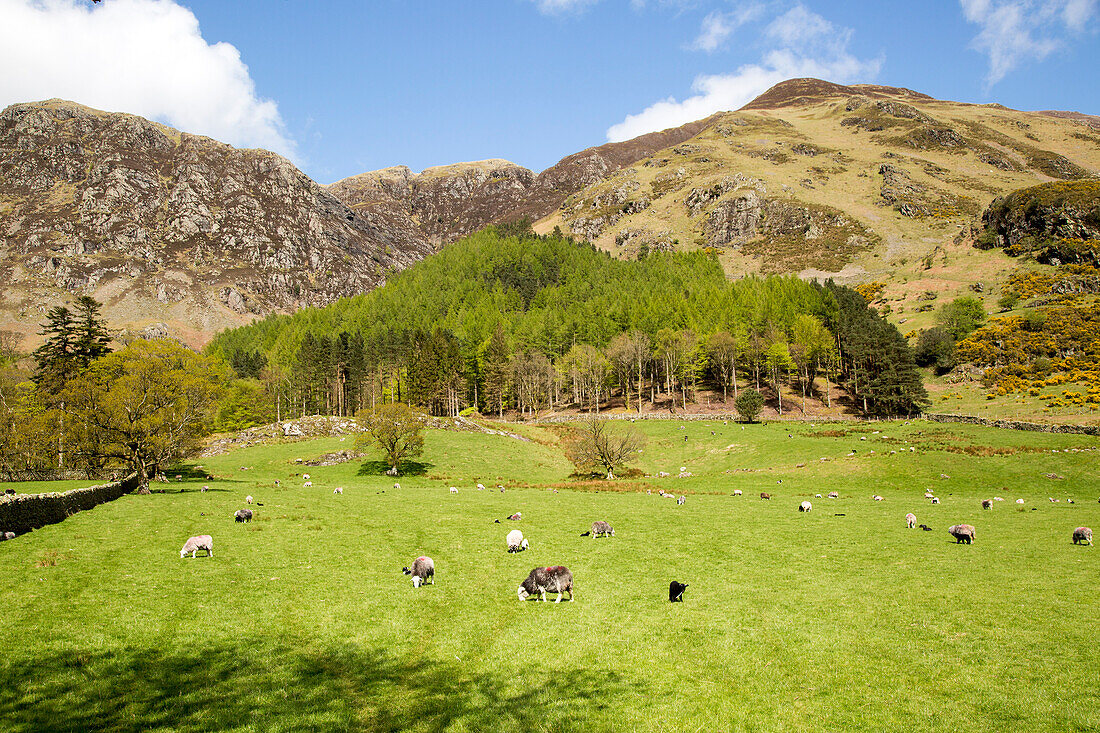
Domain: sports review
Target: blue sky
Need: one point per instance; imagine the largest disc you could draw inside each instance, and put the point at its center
(344, 87)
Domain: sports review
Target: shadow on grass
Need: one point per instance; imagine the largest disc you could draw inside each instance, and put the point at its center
(263, 686)
(407, 468)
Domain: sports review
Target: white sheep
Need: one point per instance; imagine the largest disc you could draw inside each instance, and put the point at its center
(516, 541)
(422, 570)
(817, 496)
(200, 542)
(481, 487)
(928, 495)
(876, 497)
(834, 494)
(805, 506)
(307, 484)
(1019, 501)
(248, 499)
(205, 489)
(910, 520)
(680, 501)
(338, 490)
(7, 536)
(737, 492)
(305, 476)
(397, 486)
(454, 490)
(935, 500)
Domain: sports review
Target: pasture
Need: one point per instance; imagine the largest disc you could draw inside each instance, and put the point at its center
(838, 619)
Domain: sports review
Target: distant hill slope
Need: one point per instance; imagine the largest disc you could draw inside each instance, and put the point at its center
(168, 227)
(448, 202)
(824, 179)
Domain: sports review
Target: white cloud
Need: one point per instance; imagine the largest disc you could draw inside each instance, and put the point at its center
(146, 57)
(556, 7)
(803, 44)
(718, 26)
(1015, 31)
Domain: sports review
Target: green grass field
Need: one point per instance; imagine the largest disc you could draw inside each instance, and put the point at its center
(302, 620)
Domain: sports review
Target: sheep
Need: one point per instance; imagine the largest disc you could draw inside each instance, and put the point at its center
(987, 503)
(680, 501)
(338, 490)
(962, 533)
(817, 496)
(480, 487)
(1019, 501)
(305, 477)
(876, 497)
(737, 492)
(926, 528)
(910, 520)
(454, 490)
(929, 495)
(7, 536)
(556, 579)
(205, 489)
(516, 517)
(676, 591)
(194, 544)
(600, 528)
(422, 570)
(834, 494)
(764, 495)
(248, 499)
(516, 541)
(805, 506)
(1082, 536)
(997, 498)
(307, 484)
(935, 500)
(397, 486)
(278, 482)
(243, 515)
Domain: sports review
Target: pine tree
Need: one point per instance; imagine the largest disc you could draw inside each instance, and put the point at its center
(56, 359)
(91, 337)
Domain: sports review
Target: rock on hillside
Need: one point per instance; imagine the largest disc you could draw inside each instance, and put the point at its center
(448, 202)
(169, 227)
(1058, 222)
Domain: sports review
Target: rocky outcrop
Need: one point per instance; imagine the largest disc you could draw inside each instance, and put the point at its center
(1058, 222)
(129, 210)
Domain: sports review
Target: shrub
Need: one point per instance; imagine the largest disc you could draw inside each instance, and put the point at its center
(749, 403)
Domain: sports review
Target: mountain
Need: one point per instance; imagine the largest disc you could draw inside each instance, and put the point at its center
(448, 202)
(167, 227)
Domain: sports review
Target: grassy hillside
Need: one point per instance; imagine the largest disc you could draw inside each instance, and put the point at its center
(840, 619)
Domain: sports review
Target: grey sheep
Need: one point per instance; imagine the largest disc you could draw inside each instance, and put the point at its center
(1081, 536)
(962, 533)
(600, 529)
(422, 570)
(243, 515)
(200, 542)
(556, 579)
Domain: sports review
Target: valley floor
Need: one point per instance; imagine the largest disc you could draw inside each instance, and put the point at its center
(838, 619)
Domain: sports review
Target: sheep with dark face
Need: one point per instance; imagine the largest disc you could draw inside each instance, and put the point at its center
(962, 533)
(556, 579)
(680, 500)
(516, 541)
(834, 495)
(987, 503)
(910, 520)
(422, 570)
(243, 515)
(805, 506)
(1082, 536)
(764, 495)
(200, 542)
(676, 591)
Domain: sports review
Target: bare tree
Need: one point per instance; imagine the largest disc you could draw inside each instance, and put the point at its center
(605, 447)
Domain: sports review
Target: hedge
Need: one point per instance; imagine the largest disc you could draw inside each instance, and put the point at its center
(20, 513)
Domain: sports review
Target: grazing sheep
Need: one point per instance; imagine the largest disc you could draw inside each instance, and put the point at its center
(935, 500)
(680, 501)
(278, 482)
(987, 503)
(1082, 536)
(516, 517)
(997, 498)
(962, 533)
(1019, 501)
(765, 495)
(817, 496)
(243, 515)
(556, 579)
(834, 495)
(676, 591)
(737, 492)
(910, 520)
(1069, 501)
(422, 570)
(926, 528)
(454, 490)
(805, 506)
(7, 536)
(516, 542)
(397, 486)
(480, 487)
(248, 499)
(305, 476)
(876, 497)
(600, 528)
(205, 489)
(338, 490)
(929, 495)
(201, 542)
(307, 484)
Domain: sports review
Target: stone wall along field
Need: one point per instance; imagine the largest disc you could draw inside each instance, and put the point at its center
(23, 512)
